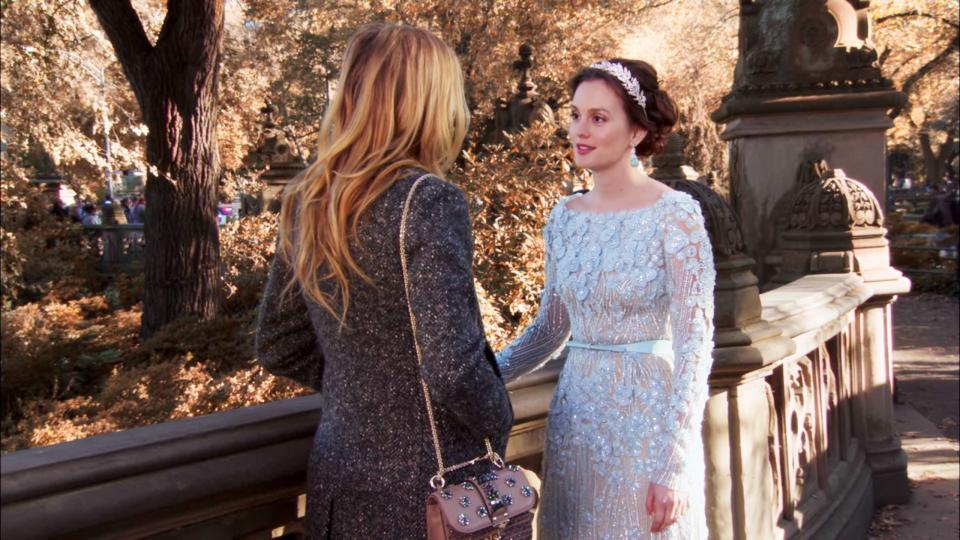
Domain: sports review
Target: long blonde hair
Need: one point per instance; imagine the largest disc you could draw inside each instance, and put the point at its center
(399, 104)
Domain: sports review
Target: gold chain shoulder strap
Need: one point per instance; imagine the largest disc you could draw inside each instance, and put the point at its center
(437, 481)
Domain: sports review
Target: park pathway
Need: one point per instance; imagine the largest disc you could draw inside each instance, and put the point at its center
(927, 366)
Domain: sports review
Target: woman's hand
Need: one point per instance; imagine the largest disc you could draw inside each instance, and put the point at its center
(665, 505)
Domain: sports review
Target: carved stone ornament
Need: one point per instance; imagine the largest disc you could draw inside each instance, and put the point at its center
(805, 46)
(801, 418)
(718, 216)
(834, 203)
(723, 226)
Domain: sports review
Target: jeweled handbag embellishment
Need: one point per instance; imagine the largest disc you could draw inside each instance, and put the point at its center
(445, 517)
(500, 509)
(487, 477)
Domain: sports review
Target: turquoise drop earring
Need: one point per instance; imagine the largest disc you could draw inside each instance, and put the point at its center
(634, 161)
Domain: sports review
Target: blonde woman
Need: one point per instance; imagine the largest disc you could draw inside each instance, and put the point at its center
(334, 314)
(630, 277)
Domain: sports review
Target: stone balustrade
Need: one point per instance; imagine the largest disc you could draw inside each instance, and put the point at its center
(788, 445)
(235, 474)
(118, 244)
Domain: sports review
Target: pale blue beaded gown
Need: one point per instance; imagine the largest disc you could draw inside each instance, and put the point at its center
(619, 420)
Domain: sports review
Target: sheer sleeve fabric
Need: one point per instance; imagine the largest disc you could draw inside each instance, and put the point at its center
(690, 280)
(546, 337)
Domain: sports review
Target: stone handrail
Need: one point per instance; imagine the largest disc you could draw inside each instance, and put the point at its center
(118, 244)
(235, 474)
(802, 445)
(798, 445)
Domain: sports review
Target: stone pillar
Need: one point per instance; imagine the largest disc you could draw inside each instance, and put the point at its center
(717, 453)
(112, 245)
(884, 453)
(807, 87)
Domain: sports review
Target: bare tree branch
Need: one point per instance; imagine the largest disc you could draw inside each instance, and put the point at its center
(125, 32)
(931, 65)
(915, 13)
(903, 64)
(661, 3)
(884, 55)
(130, 43)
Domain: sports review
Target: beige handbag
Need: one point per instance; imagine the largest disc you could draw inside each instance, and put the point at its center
(492, 506)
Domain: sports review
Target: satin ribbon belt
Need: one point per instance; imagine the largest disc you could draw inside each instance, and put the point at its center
(661, 347)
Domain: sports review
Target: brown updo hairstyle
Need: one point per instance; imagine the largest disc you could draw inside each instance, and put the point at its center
(661, 113)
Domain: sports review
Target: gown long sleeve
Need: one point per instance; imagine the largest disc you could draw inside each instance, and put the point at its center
(690, 283)
(545, 338)
(622, 420)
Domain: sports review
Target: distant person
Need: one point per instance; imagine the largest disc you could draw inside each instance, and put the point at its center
(119, 216)
(944, 209)
(127, 204)
(91, 215)
(224, 214)
(139, 211)
(59, 210)
(78, 212)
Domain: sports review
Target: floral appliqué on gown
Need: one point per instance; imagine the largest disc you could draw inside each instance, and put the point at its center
(619, 420)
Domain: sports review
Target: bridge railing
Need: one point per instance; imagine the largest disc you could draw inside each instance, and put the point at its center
(235, 474)
(118, 244)
(800, 445)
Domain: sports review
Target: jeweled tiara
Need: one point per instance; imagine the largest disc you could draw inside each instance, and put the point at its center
(629, 82)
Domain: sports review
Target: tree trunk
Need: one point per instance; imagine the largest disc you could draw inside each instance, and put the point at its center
(175, 82)
(935, 163)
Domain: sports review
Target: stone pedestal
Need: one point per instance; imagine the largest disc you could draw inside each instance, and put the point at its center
(522, 109)
(807, 87)
(276, 153)
(885, 456)
(769, 145)
(275, 181)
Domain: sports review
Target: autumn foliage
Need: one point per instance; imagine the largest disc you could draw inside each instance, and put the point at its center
(73, 364)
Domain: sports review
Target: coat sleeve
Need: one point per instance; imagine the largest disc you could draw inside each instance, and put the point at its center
(457, 364)
(285, 341)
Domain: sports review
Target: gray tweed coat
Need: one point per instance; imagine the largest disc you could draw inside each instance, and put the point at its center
(372, 453)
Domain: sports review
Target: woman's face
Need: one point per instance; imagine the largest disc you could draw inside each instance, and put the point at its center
(601, 133)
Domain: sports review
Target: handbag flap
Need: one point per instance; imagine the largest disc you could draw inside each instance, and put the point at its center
(485, 500)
